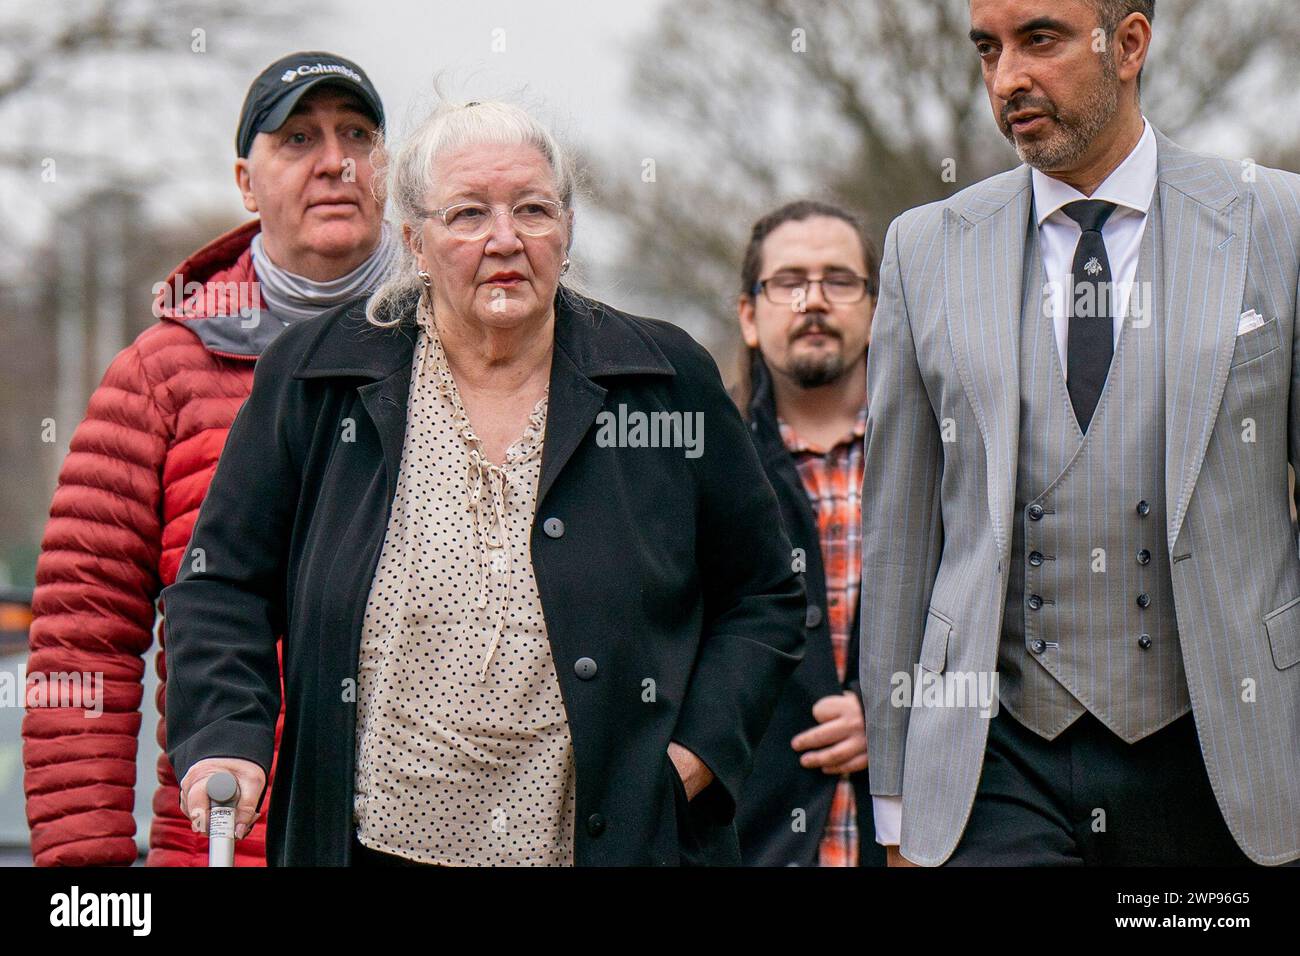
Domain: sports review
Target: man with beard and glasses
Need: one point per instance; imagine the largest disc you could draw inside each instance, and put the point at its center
(1083, 401)
(808, 283)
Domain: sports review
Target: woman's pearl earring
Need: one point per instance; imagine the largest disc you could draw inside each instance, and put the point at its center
(425, 278)
(564, 266)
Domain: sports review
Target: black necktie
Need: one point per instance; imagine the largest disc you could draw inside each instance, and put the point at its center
(1091, 342)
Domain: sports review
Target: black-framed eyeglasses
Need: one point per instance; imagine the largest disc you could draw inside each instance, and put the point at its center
(842, 288)
(474, 220)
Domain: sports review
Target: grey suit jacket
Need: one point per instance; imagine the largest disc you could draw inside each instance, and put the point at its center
(939, 485)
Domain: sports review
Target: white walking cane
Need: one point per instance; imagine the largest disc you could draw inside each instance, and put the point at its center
(223, 794)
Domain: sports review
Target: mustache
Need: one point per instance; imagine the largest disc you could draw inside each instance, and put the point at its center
(1025, 104)
(814, 324)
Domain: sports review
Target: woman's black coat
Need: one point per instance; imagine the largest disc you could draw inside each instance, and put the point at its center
(666, 581)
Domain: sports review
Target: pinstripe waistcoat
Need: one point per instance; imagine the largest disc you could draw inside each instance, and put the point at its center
(1089, 621)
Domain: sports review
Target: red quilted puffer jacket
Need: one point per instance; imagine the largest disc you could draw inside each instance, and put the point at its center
(128, 495)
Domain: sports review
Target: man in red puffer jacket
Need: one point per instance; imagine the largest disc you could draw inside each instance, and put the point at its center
(140, 462)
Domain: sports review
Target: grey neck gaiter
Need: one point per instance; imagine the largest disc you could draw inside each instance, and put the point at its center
(291, 297)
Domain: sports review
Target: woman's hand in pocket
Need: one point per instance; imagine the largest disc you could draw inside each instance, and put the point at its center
(693, 771)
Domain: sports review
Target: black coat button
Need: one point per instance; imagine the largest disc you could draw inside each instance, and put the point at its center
(1036, 558)
(585, 668)
(1144, 509)
(553, 527)
(813, 616)
(1035, 602)
(1144, 600)
(1144, 641)
(1038, 646)
(1035, 512)
(1144, 556)
(595, 824)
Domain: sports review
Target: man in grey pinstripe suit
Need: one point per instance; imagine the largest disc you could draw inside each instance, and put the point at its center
(1083, 400)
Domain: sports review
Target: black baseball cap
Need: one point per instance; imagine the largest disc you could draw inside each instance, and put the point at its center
(279, 87)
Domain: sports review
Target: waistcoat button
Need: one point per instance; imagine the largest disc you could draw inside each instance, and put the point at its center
(1038, 646)
(585, 668)
(1035, 512)
(553, 527)
(1143, 509)
(1144, 600)
(1035, 602)
(1144, 556)
(1036, 558)
(1144, 641)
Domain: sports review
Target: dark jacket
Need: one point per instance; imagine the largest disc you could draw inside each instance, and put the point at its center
(671, 574)
(779, 787)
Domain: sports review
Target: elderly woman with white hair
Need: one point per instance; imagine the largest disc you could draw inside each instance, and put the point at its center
(537, 600)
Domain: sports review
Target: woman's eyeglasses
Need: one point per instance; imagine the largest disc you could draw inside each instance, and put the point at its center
(474, 220)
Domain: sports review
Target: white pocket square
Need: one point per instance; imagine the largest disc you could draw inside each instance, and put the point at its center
(1249, 320)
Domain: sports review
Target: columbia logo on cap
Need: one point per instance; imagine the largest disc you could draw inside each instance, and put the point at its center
(288, 76)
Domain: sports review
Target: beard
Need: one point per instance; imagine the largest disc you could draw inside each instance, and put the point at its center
(814, 371)
(1076, 130)
(818, 367)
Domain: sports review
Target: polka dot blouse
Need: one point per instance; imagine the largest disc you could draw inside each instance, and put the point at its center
(464, 756)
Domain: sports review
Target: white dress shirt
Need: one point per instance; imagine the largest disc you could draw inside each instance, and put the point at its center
(1131, 187)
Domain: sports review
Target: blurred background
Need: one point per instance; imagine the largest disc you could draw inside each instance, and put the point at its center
(692, 119)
